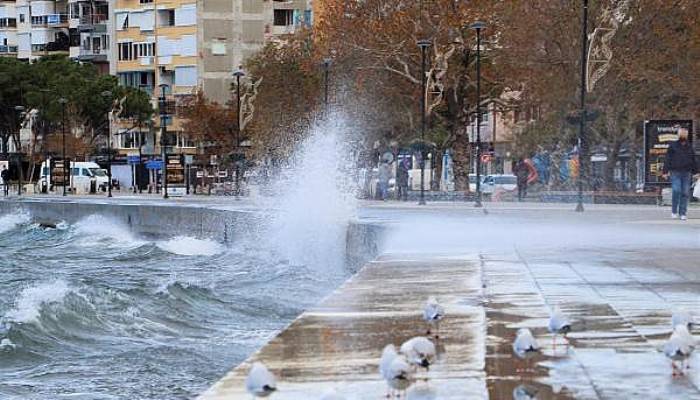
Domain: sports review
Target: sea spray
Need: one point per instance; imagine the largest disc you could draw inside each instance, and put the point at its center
(317, 198)
(189, 246)
(28, 305)
(98, 230)
(10, 221)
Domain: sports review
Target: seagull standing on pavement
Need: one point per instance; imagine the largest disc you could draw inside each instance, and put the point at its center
(558, 325)
(525, 346)
(395, 370)
(433, 314)
(679, 347)
(419, 351)
(260, 381)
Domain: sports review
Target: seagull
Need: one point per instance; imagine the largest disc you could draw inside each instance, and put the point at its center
(525, 344)
(419, 351)
(332, 395)
(432, 314)
(679, 347)
(398, 375)
(681, 317)
(388, 355)
(260, 382)
(558, 325)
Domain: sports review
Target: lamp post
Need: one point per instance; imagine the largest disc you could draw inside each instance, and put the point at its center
(19, 110)
(163, 131)
(423, 44)
(63, 101)
(326, 71)
(238, 74)
(107, 95)
(478, 26)
(582, 122)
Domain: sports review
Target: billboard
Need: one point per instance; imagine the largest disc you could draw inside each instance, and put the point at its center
(658, 134)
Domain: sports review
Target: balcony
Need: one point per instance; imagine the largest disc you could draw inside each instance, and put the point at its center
(94, 55)
(4, 50)
(50, 20)
(94, 22)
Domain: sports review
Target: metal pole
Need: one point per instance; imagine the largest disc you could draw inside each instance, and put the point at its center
(238, 132)
(582, 122)
(63, 135)
(478, 118)
(326, 80)
(109, 155)
(163, 146)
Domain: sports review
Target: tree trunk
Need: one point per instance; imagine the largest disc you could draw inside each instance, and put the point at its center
(460, 162)
(437, 169)
(610, 164)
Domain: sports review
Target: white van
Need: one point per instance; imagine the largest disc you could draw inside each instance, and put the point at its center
(82, 174)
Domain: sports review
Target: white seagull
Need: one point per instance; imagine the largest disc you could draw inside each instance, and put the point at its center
(681, 317)
(433, 314)
(419, 351)
(260, 382)
(558, 325)
(525, 344)
(679, 347)
(398, 375)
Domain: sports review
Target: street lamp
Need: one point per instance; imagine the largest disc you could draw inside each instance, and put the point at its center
(582, 122)
(326, 70)
(163, 147)
(238, 74)
(107, 95)
(478, 26)
(19, 110)
(63, 101)
(423, 44)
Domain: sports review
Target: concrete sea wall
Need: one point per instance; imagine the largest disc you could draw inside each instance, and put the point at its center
(159, 220)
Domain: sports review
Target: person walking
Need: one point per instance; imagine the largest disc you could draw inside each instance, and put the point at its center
(522, 172)
(402, 180)
(680, 164)
(5, 175)
(384, 174)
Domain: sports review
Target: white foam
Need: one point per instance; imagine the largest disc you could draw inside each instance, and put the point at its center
(6, 344)
(189, 246)
(98, 229)
(31, 299)
(10, 221)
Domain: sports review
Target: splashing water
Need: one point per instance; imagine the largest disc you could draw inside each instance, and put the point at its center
(10, 221)
(189, 246)
(318, 198)
(98, 230)
(28, 305)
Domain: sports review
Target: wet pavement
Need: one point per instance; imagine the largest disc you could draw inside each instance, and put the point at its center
(617, 272)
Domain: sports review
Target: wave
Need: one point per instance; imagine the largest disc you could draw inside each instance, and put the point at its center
(30, 302)
(189, 246)
(9, 222)
(100, 230)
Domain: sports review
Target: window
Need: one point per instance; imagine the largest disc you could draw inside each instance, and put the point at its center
(85, 172)
(144, 49)
(21, 18)
(166, 17)
(186, 76)
(218, 47)
(145, 1)
(284, 17)
(125, 51)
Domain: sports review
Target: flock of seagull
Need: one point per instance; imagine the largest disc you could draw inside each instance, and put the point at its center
(399, 367)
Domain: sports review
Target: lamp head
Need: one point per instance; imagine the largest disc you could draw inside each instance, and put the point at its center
(478, 25)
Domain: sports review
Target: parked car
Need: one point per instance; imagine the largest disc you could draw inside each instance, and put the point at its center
(506, 183)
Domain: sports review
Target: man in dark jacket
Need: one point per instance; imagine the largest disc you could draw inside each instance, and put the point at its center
(522, 172)
(5, 176)
(680, 163)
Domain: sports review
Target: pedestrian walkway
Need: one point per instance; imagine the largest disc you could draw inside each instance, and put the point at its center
(620, 305)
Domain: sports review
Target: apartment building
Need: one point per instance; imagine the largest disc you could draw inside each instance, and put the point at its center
(30, 29)
(190, 45)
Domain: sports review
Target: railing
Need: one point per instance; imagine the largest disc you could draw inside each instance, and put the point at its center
(93, 19)
(8, 49)
(50, 20)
